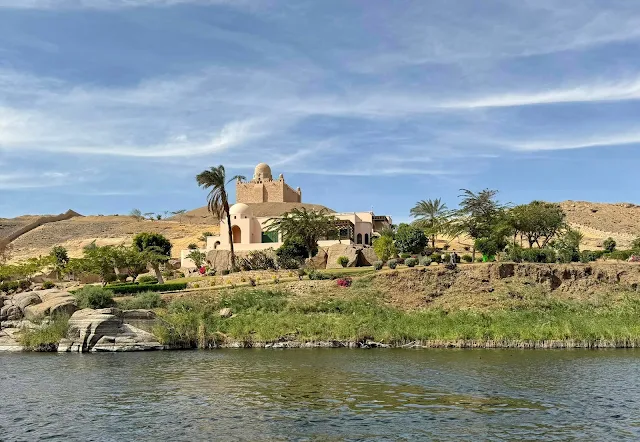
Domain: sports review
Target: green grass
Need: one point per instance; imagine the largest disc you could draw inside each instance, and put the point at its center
(45, 337)
(263, 315)
(146, 300)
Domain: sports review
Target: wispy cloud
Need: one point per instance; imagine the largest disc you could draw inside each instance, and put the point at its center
(578, 142)
(32, 180)
(114, 4)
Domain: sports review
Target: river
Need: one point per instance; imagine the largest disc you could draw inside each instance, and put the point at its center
(322, 394)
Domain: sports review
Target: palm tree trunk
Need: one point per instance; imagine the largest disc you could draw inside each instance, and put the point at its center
(233, 253)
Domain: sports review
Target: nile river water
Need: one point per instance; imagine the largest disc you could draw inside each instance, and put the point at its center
(322, 394)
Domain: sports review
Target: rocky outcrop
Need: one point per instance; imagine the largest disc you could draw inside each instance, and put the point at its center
(219, 259)
(106, 330)
(54, 302)
(338, 250)
(317, 262)
(367, 256)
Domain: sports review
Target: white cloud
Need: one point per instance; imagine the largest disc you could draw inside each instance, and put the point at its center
(577, 142)
(32, 180)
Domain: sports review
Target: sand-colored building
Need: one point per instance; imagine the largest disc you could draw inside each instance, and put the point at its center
(262, 199)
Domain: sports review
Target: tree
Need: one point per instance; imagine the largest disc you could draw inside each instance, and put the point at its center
(291, 253)
(97, 260)
(150, 216)
(609, 244)
(384, 248)
(179, 213)
(136, 214)
(128, 261)
(410, 239)
(198, 257)
(537, 220)
(61, 259)
(432, 216)
(215, 179)
(307, 225)
(568, 246)
(481, 216)
(155, 250)
(389, 231)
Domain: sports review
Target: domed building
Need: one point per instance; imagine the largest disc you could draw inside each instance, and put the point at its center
(260, 200)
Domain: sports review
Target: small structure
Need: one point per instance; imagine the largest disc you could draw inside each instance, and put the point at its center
(250, 232)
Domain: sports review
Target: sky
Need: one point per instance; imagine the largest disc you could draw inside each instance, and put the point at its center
(110, 105)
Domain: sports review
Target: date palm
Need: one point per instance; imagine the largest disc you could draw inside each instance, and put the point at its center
(215, 179)
(432, 216)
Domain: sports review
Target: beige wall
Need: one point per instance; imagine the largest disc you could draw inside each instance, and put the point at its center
(266, 191)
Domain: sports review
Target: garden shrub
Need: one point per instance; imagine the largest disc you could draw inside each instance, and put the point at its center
(147, 279)
(48, 285)
(392, 263)
(318, 276)
(301, 273)
(257, 260)
(291, 254)
(426, 261)
(545, 255)
(146, 300)
(587, 256)
(343, 261)
(411, 262)
(139, 288)
(93, 296)
(467, 258)
(8, 286)
(344, 282)
(447, 258)
(377, 265)
(609, 244)
(619, 255)
(192, 246)
(436, 258)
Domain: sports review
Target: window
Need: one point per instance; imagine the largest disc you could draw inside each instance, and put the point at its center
(359, 238)
(268, 237)
(366, 239)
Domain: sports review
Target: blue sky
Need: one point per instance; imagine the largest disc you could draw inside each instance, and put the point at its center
(109, 105)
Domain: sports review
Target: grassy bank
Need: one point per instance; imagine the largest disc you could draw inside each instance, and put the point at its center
(261, 316)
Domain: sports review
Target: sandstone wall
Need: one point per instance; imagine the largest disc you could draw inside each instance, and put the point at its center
(37, 223)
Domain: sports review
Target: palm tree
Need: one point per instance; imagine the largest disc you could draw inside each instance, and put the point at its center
(215, 179)
(307, 225)
(432, 216)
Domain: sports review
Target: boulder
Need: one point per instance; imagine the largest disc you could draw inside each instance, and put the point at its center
(173, 264)
(106, 330)
(368, 256)
(10, 313)
(25, 299)
(225, 312)
(143, 319)
(317, 262)
(54, 302)
(219, 259)
(338, 250)
(9, 340)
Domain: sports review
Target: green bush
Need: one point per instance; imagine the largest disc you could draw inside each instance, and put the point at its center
(539, 255)
(426, 261)
(609, 244)
(192, 246)
(147, 279)
(588, 256)
(447, 258)
(392, 263)
(343, 261)
(619, 255)
(139, 288)
(410, 239)
(378, 265)
(93, 296)
(8, 286)
(467, 258)
(411, 262)
(291, 254)
(405, 255)
(146, 300)
(257, 260)
(48, 285)
(318, 276)
(46, 337)
(436, 258)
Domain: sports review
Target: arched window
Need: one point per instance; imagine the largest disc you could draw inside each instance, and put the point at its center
(236, 233)
(359, 238)
(366, 238)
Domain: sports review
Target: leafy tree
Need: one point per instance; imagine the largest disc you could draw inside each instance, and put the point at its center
(410, 239)
(481, 216)
(97, 260)
(137, 214)
(291, 253)
(389, 231)
(307, 225)
(568, 246)
(198, 257)
(537, 221)
(384, 248)
(215, 179)
(432, 216)
(128, 261)
(150, 215)
(155, 250)
(61, 259)
(179, 213)
(609, 244)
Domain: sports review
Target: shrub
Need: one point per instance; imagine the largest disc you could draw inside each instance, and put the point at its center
(619, 255)
(48, 285)
(377, 265)
(426, 261)
(192, 246)
(139, 288)
(318, 276)
(609, 244)
(635, 244)
(257, 260)
(405, 255)
(301, 273)
(467, 258)
(392, 263)
(291, 254)
(147, 279)
(45, 338)
(384, 248)
(436, 258)
(410, 239)
(447, 258)
(225, 272)
(343, 261)
(587, 256)
(539, 255)
(411, 262)
(344, 282)
(92, 296)
(146, 300)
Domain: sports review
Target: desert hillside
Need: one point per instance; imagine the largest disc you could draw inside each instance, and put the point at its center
(597, 221)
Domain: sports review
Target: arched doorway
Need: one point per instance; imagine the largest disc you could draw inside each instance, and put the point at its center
(359, 238)
(236, 233)
(366, 238)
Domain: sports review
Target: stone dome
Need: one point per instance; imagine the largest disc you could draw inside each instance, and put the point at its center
(262, 171)
(240, 209)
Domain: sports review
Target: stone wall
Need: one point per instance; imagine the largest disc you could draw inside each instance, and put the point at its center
(266, 192)
(37, 223)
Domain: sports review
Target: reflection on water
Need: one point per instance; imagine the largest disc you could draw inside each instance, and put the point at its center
(322, 395)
